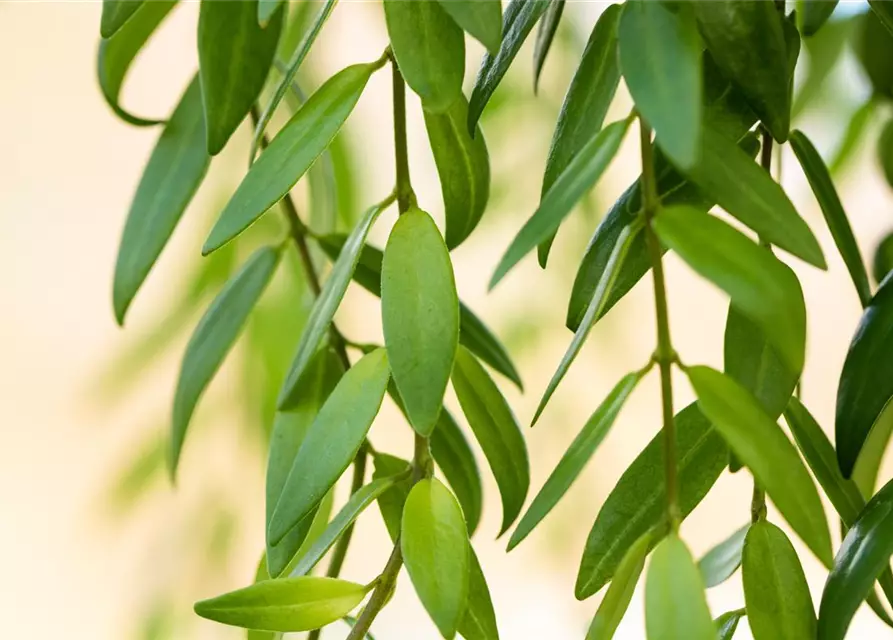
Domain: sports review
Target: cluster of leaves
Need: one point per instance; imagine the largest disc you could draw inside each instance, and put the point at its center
(713, 82)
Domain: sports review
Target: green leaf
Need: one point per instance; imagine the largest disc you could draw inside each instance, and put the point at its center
(454, 456)
(586, 103)
(332, 441)
(620, 592)
(463, 166)
(727, 623)
(233, 74)
(747, 41)
(115, 14)
(391, 502)
(117, 52)
(576, 457)
(761, 287)
(883, 12)
(874, 45)
(496, 430)
(481, 19)
(745, 190)
(289, 430)
(859, 124)
(479, 620)
(214, 337)
(430, 51)
(326, 304)
(545, 34)
(885, 151)
(606, 283)
(436, 552)
(814, 14)
(580, 176)
(285, 605)
(723, 560)
(763, 447)
(176, 168)
(823, 188)
(883, 258)
(420, 315)
(517, 21)
(266, 9)
(868, 464)
(675, 602)
(291, 153)
(775, 589)
(637, 504)
(823, 53)
(660, 55)
(863, 556)
(866, 381)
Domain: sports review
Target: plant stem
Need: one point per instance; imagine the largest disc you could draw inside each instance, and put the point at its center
(405, 194)
(664, 354)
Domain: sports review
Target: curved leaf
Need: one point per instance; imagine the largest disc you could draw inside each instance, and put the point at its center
(727, 623)
(115, 14)
(479, 620)
(453, 455)
(883, 258)
(885, 152)
(723, 560)
(815, 13)
(620, 591)
(481, 19)
(545, 34)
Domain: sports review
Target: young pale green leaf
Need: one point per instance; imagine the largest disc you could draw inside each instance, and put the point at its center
(285, 605)
(332, 441)
(463, 166)
(746, 39)
(814, 14)
(430, 50)
(823, 188)
(436, 553)
(481, 19)
(675, 601)
(454, 456)
(576, 457)
(586, 103)
(660, 55)
(176, 168)
(775, 589)
(599, 298)
(117, 52)
(866, 381)
(496, 430)
(324, 307)
(391, 502)
(420, 315)
(727, 623)
(115, 14)
(637, 504)
(232, 75)
(761, 445)
(883, 258)
(473, 333)
(761, 286)
(620, 592)
(722, 561)
(580, 176)
(517, 21)
(545, 34)
(214, 337)
(863, 556)
(745, 190)
(479, 620)
(291, 153)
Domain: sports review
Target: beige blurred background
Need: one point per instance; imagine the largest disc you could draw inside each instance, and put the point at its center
(95, 544)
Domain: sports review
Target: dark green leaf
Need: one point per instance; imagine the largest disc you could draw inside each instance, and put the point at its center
(620, 592)
(884, 13)
(420, 315)
(637, 504)
(291, 153)
(214, 337)
(823, 188)
(815, 13)
(481, 19)
(430, 50)
(332, 441)
(576, 457)
(463, 166)
(761, 287)
(453, 455)
(675, 602)
(175, 170)
(436, 552)
(517, 21)
(290, 604)
(545, 34)
(763, 447)
(391, 502)
(581, 175)
(479, 620)
(883, 258)
(723, 560)
(727, 623)
(885, 151)
(117, 52)
(115, 13)
(233, 73)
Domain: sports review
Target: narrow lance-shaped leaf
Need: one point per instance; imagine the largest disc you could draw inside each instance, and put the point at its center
(763, 447)
(575, 458)
(436, 553)
(332, 441)
(454, 456)
(479, 620)
(115, 14)
(823, 188)
(214, 337)
(232, 75)
(723, 560)
(620, 592)
(176, 168)
(420, 315)
(545, 34)
(481, 19)
(291, 153)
